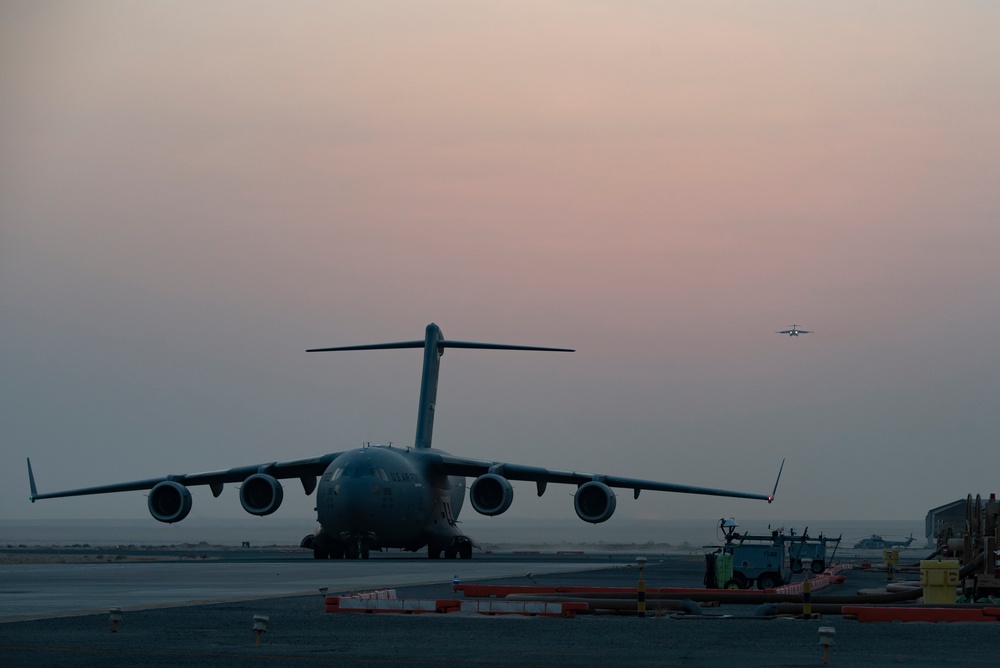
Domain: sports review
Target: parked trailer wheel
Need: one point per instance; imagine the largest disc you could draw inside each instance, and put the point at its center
(768, 581)
(739, 580)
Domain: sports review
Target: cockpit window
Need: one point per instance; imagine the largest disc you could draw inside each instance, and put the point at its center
(358, 471)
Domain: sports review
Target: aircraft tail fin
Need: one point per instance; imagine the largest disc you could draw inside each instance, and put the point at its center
(433, 344)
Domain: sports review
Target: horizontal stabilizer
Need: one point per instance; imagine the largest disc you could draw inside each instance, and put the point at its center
(433, 344)
(498, 346)
(372, 346)
(442, 343)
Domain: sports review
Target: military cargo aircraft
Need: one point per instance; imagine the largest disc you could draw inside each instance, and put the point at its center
(380, 497)
(794, 331)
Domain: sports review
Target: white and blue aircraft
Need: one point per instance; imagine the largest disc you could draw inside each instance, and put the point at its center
(381, 496)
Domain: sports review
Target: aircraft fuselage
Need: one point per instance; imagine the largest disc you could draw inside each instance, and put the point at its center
(384, 497)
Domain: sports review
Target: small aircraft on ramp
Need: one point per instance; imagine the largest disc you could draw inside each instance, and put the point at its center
(794, 331)
(381, 496)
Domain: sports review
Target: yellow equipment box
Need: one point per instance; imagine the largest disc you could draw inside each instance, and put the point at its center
(940, 580)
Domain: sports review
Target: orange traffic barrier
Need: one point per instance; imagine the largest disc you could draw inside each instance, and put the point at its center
(398, 605)
(417, 606)
(530, 608)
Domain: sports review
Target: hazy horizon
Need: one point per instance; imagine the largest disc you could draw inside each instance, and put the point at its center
(232, 532)
(193, 194)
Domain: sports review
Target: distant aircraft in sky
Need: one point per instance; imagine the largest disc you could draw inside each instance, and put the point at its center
(382, 496)
(794, 331)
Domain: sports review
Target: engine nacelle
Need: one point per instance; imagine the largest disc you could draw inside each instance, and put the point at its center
(491, 494)
(594, 502)
(261, 494)
(169, 502)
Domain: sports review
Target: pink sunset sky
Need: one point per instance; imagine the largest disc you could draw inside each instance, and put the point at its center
(194, 193)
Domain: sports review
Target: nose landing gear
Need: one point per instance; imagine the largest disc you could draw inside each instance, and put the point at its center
(360, 547)
(346, 547)
(357, 549)
(460, 547)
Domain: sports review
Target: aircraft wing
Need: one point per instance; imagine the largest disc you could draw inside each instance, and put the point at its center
(307, 470)
(471, 468)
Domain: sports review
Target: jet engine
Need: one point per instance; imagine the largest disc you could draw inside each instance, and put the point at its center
(594, 502)
(491, 494)
(261, 494)
(169, 501)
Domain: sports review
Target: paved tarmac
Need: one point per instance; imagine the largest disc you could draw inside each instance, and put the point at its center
(34, 591)
(300, 633)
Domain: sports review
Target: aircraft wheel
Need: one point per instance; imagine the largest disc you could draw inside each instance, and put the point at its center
(818, 567)
(465, 551)
(365, 552)
(320, 554)
(351, 551)
(433, 552)
(337, 552)
(450, 553)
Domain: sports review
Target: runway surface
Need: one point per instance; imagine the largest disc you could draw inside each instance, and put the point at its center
(161, 628)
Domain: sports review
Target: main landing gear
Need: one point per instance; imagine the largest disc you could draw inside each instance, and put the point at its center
(356, 550)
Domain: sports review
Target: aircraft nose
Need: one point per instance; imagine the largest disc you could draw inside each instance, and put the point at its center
(352, 490)
(356, 499)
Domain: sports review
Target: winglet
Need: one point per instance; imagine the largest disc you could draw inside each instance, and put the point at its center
(775, 490)
(31, 481)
